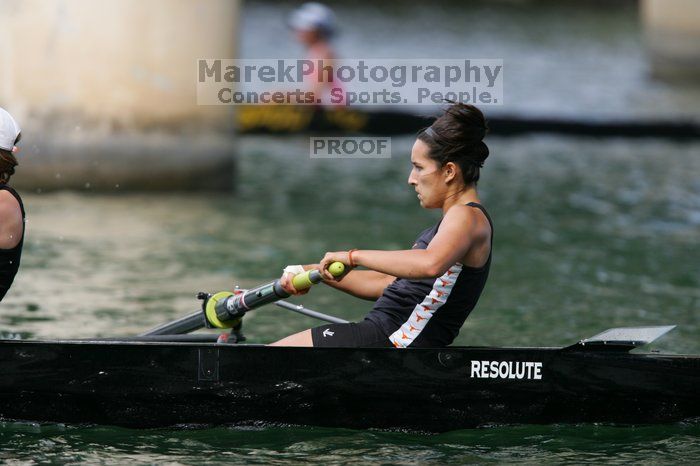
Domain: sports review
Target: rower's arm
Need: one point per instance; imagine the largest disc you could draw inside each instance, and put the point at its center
(449, 245)
(363, 284)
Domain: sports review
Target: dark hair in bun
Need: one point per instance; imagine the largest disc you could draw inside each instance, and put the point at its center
(456, 137)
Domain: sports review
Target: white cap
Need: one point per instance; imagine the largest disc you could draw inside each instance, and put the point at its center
(312, 15)
(9, 130)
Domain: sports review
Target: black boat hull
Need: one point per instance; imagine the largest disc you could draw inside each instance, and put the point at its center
(159, 384)
(290, 119)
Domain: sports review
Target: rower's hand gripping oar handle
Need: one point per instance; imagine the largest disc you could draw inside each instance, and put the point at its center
(224, 309)
(304, 280)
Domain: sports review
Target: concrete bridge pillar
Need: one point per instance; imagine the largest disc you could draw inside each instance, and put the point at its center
(105, 92)
(672, 30)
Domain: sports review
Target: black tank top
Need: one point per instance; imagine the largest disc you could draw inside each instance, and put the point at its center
(430, 312)
(9, 258)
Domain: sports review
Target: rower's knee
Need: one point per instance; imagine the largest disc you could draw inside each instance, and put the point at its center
(302, 338)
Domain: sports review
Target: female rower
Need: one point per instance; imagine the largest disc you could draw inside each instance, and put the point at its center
(422, 295)
(314, 26)
(11, 207)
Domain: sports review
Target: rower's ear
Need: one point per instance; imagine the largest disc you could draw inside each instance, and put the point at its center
(450, 171)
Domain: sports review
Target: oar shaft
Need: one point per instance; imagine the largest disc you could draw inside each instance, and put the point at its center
(186, 324)
(224, 309)
(234, 306)
(309, 312)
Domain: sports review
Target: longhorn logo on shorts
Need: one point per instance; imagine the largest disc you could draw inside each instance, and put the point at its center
(327, 333)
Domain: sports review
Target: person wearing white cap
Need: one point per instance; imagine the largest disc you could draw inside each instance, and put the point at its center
(313, 17)
(12, 216)
(314, 25)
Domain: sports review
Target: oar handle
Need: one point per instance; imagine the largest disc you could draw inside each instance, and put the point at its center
(304, 280)
(224, 309)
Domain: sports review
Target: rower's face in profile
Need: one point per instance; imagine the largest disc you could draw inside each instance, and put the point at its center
(306, 36)
(426, 177)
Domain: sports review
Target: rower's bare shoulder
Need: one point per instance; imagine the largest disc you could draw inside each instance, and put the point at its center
(10, 220)
(8, 204)
(472, 218)
(467, 214)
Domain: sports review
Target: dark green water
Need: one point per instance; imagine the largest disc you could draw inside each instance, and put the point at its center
(584, 444)
(589, 235)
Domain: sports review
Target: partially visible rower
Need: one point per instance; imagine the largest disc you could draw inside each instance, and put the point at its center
(12, 216)
(314, 26)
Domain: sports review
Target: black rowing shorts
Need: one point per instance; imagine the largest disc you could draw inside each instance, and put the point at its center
(365, 334)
